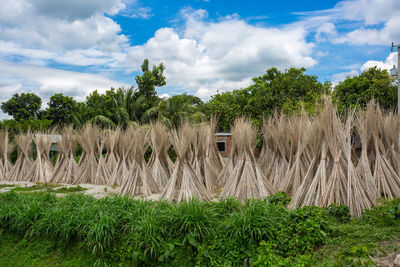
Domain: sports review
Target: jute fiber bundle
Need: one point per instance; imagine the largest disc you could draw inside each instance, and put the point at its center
(267, 159)
(213, 157)
(111, 139)
(247, 179)
(42, 168)
(5, 149)
(160, 164)
(358, 197)
(302, 132)
(184, 184)
(66, 169)
(139, 181)
(281, 146)
(125, 149)
(203, 168)
(23, 163)
(88, 138)
(391, 130)
(364, 167)
(103, 174)
(386, 179)
(336, 188)
(312, 189)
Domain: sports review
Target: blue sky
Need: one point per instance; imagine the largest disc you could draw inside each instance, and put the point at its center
(75, 46)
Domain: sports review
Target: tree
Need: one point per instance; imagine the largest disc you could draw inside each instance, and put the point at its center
(176, 109)
(286, 92)
(24, 106)
(227, 107)
(146, 94)
(61, 109)
(357, 91)
(275, 91)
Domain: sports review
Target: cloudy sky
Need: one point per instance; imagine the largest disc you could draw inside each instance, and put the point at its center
(75, 46)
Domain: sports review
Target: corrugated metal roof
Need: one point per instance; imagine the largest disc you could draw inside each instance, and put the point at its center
(223, 134)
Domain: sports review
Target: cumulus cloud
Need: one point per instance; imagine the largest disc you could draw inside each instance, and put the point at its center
(388, 64)
(223, 55)
(372, 22)
(72, 32)
(47, 81)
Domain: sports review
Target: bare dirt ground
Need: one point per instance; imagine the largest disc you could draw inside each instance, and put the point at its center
(98, 191)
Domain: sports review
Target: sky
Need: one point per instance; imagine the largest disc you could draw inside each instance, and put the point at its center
(207, 46)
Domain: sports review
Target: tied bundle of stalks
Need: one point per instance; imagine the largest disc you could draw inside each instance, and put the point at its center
(5, 149)
(103, 173)
(266, 159)
(139, 181)
(281, 144)
(184, 184)
(42, 168)
(247, 179)
(358, 198)
(23, 163)
(301, 134)
(213, 157)
(336, 188)
(386, 179)
(66, 169)
(111, 139)
(125, 150)
(201, 166)
(160, 164)
(312, 189)
(391, 130)
(364, 166)
(88, 139)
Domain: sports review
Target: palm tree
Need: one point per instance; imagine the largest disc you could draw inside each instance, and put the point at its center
(173, 111)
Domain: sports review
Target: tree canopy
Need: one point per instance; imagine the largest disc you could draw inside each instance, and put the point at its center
(275, 91)
(22, 106)
(357, 91)
(61, 109)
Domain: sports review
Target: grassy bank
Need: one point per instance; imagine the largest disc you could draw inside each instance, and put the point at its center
(41, 229)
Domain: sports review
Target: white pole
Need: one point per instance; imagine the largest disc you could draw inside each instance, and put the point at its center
(398, 79)
(398, 89)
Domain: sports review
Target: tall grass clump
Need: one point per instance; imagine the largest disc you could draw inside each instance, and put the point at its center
(153, 233)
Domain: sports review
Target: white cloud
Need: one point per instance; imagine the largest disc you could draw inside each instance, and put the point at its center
(388, 64)
(356, 22)
(325, 31)
(223, 55)
(47, 81)
(339, 77)
(72, 32)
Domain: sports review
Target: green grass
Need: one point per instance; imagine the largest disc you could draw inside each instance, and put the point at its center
(15, 251)
(6, 185)
(51, 188)
(36, 187)
(66, 190)
(80, 230)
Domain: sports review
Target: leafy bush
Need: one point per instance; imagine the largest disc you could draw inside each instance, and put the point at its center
(137, 232)
(339, 212)
(388, 213)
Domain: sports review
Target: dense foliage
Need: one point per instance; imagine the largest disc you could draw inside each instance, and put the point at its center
(357, 91)
(275, 91)
(22, 106)
(123, 231)
(120, 229)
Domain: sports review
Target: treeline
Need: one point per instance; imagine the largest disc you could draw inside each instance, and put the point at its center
(273, 92)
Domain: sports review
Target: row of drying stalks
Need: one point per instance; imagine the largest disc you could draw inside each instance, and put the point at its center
(318, 160)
